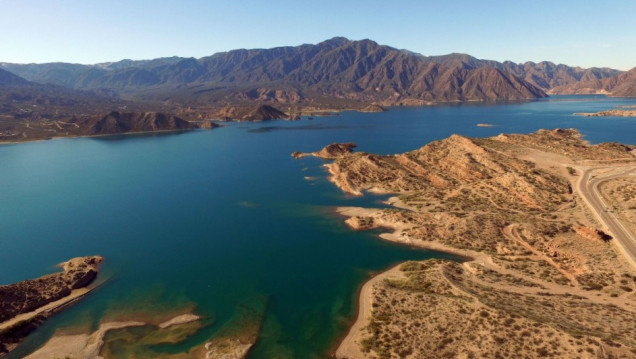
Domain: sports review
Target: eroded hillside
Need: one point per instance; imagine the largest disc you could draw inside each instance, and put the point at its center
(543, 276)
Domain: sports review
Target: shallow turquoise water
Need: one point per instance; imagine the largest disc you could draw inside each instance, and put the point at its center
(224, 219)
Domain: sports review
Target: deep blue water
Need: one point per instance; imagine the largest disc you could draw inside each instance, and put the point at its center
(224, 219)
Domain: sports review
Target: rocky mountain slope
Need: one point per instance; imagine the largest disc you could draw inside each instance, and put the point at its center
(30, 111)
(620, 85)
(251, 113)
(128, 122)
(547, 75)
(334, 70)
(9, 79)
(22, 99)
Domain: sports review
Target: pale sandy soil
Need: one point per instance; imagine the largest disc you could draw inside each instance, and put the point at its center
(79, 346)
(232, 344)
(181, 319)
(536, 255)
(621, 195)
(89, 345)
(350, 345)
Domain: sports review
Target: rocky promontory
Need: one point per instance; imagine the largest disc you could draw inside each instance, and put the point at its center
(127, 122)
(539, 273)
(251, 113)
(329, 152)
(26, 304)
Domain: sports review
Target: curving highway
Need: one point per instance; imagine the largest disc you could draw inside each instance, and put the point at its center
(587, 186)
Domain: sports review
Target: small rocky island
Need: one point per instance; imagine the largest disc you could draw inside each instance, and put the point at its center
(252, 113)
(609, 113)
(27, 304)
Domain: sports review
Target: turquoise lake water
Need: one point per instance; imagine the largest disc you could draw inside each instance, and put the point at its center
(225, 221)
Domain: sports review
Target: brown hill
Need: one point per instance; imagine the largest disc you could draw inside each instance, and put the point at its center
(494, 84)
(251, 113)
(621, 85)
(625, 85)
(444, 166)
(126, 122)
(334, 70)
(547, 75)
(329, 152)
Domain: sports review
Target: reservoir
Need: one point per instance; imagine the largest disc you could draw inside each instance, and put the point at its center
(227, 224)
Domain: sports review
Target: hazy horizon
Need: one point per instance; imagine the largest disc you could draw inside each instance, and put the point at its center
(40, 31)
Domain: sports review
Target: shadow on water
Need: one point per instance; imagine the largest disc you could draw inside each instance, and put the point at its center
(140, 135)
(298, 128)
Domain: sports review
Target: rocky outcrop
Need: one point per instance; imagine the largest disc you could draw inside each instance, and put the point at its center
(568, 142)
(329, 152)
(127, 122)
(373, 108)
(251, 113)
(25, 305)
(336, 150)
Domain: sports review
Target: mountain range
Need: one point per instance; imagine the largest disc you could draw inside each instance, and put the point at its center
(334, 71)
(621, 85)
(282, 82)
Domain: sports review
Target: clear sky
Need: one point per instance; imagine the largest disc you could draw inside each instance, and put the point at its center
(578, 33)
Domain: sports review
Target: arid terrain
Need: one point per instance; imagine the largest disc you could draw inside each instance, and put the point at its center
(545, 275)
(620, 194)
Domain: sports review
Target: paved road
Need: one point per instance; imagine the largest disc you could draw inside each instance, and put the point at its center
(588, 188)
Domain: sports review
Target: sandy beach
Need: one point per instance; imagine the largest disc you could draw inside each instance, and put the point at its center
(350, 345)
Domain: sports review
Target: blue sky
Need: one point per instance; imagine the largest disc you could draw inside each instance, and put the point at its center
(577, 33)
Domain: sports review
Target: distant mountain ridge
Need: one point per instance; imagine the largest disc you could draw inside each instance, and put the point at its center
(621, 85)
(334, 70)
(9, 79)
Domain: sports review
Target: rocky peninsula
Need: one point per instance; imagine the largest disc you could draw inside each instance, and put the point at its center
(27, 304)
(544, 272)
(608, 113)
